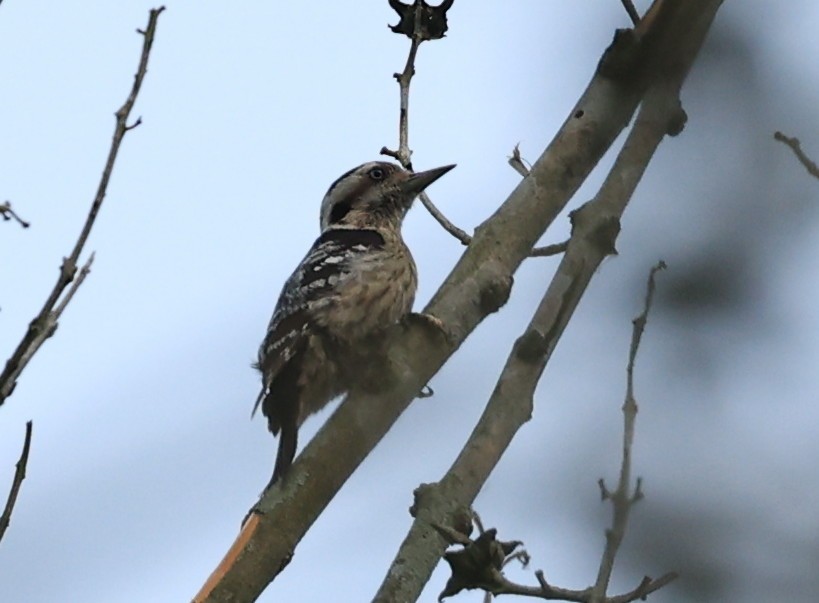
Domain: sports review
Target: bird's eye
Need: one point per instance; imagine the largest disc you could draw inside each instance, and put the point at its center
(377, 173)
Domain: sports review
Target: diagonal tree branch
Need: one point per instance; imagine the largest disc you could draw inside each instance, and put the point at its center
(404, 154)
(478, 285)
(796, 147)
(44, 324)
(19, 476)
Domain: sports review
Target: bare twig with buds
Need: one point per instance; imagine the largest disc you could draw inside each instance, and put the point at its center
(44, 324)
(421, 22)
(796, 147)
(8, 213)
(623, 497)
(19, 476)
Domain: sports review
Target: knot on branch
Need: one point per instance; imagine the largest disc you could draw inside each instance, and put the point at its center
(495, 294)
(421, 497)
(676, 120)
(420, 21)
(621, 59)
(532, 345)
(598, 228)
(459, 518)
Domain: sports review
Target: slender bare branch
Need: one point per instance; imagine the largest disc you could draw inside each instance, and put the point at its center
(66, 299)
(8, 213)
(796, 147)
(632, 12)
(404, 154)
(546, 591)
(547, 250)
(48, 324)
(44, 324)
(456, 232)
(623, 498)
(19, 476)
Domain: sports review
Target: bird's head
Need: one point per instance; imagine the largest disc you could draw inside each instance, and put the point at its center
(374, 195)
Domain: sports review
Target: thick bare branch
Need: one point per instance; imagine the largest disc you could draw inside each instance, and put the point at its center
(796, 147)
(43, 325)
(19, 476)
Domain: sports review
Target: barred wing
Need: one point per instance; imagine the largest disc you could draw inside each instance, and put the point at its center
(327, 264)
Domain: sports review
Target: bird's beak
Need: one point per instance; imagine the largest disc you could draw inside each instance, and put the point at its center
(418, 181)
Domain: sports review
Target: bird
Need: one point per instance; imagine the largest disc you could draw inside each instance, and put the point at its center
(356, 281)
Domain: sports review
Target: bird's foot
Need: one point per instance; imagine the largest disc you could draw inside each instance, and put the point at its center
(430, 323)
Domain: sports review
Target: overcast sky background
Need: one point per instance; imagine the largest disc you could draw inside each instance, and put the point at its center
(144, 459)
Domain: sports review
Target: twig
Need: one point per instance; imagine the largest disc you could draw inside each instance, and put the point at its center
(456, 232)
(546, 591)
(632, 12)
(44, 324)
(516, 161)
(404, 154)
(547, 250)
(623, 498)
(465, 239)
(796, 147)
(9, 214)
(48, 323)
(19, 476)
(58, 311)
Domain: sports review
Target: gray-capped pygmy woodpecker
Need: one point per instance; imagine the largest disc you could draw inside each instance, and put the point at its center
(357, 280)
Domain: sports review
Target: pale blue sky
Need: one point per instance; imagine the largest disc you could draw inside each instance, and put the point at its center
(144, 459)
